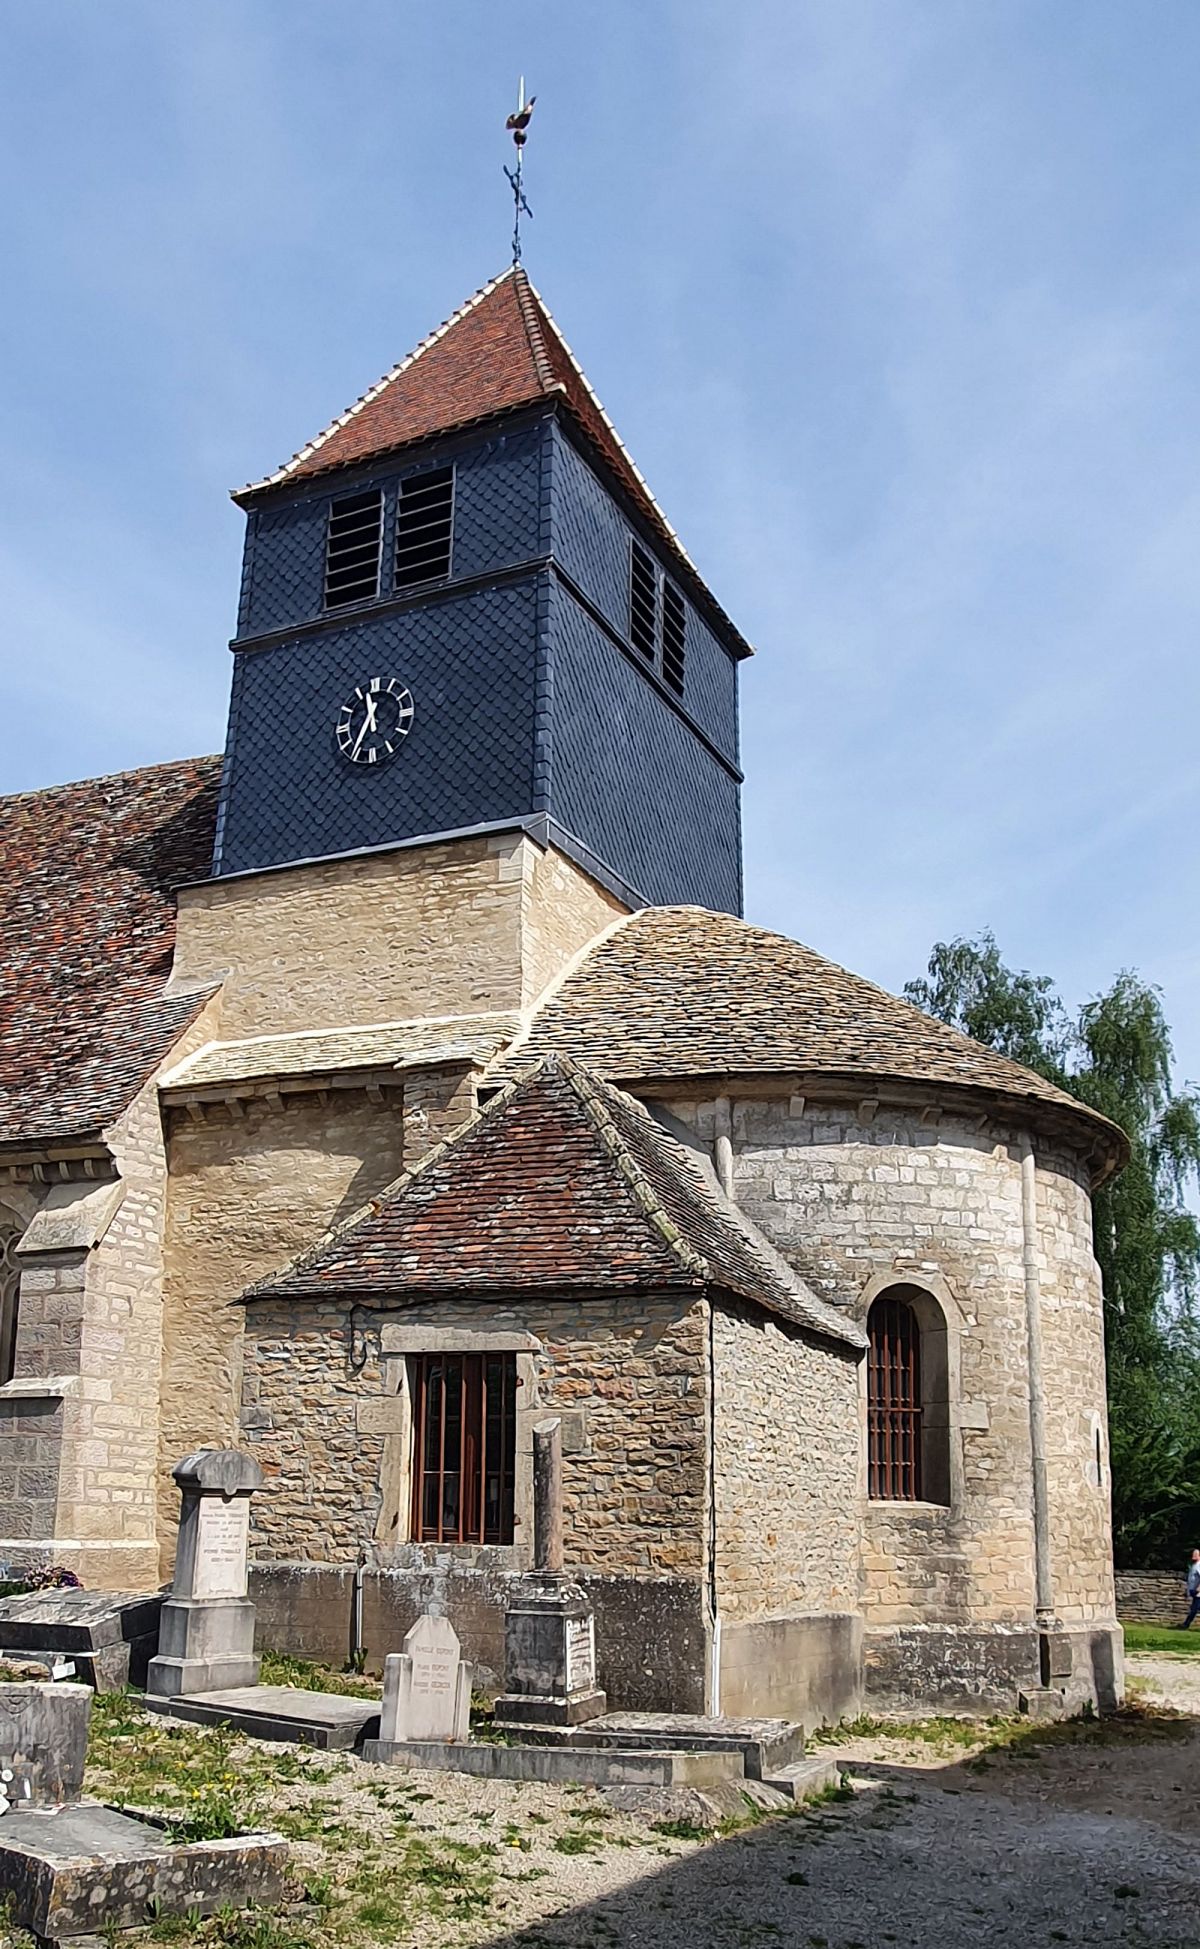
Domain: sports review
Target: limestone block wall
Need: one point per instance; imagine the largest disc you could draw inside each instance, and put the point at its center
(629, 1375)
(786, 1479)
(462, 927)
(247, 1192)
(1080, 1481)
(856, 1199)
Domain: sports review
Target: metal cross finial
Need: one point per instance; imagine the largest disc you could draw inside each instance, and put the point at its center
(518, 123)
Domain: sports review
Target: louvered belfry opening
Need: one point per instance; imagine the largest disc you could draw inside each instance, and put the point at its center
(643, 602)
(424, 527)
(352, 550)
(894, 1402)
(673, 630)
(464, 1419)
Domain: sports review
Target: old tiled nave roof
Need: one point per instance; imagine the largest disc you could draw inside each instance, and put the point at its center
(87, 929)
(683, 992)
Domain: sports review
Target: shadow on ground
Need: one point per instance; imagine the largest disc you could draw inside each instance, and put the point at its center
(1089, 1842)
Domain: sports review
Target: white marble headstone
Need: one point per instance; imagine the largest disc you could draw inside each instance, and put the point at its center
(222, 1546)
(426, 1687)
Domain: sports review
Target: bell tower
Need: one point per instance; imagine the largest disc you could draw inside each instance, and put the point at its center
(462, 613)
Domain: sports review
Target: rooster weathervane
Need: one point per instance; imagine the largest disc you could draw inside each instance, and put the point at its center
(518, 125)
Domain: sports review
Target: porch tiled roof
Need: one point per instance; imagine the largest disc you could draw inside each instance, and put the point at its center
(87, 929)
(561, 1183)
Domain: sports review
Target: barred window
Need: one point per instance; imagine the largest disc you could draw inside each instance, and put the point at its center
(894, 1434)
(424, 527)
(352, 548)
(464, 1444)
(10, 1284)
(673, 631)
(643, 601)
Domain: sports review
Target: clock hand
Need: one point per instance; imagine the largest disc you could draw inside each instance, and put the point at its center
(368, 724)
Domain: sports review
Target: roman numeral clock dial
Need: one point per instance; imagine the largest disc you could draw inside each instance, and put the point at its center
(372, 724)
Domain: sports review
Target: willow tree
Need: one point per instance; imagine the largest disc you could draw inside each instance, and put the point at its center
(1115, 1054)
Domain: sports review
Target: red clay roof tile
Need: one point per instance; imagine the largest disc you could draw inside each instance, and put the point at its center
(87, 929)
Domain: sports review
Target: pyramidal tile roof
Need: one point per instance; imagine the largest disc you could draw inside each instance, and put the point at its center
(560, 1183)
(87, 931)
(684, 992)
(500, 351)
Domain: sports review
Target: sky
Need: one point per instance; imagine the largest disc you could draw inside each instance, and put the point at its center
(894, 302)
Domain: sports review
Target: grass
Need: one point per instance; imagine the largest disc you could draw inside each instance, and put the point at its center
(279, 1669)
(1163, 1638)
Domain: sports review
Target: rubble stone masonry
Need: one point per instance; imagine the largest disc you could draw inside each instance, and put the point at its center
(628, 1375)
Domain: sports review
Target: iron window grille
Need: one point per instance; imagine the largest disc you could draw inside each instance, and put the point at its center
(10, 1286)
(352, 550)
(643, 601)
(424, 528)
(894, 1402)
(465, 1424)
(673, 631)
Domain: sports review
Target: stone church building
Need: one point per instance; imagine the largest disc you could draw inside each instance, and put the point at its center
(408, 1075)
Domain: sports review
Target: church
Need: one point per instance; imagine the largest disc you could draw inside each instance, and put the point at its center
(408, 1075)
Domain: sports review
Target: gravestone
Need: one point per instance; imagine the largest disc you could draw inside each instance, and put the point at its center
(549, 1628)
(206, 1639)
(69, 1865)
(426, 1687)
(43, 1744)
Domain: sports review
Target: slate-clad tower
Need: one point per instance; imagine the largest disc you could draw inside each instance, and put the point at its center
(462, 611)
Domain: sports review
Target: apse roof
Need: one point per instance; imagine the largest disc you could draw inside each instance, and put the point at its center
(87, 931)
(676, 992)
(500, 351)
(560, 1183)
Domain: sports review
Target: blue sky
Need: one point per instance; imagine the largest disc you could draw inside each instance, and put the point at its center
(894, 302)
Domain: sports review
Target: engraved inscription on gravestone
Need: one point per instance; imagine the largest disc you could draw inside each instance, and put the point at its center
(581, 1654)
(426, 1687)
(222, 1546)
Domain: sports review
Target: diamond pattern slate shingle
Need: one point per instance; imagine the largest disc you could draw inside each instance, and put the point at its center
(87, 928)
(500, 351)
(681, 991)
(561, 1183)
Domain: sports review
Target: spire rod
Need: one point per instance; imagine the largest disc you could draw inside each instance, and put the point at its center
(518, 124)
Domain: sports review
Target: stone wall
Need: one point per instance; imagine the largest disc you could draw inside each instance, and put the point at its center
(247, 1192)
(788, 1544)
(787, 1469)
(858, 1197)
(628, 1374)
(1151, 1597)
(463, 927)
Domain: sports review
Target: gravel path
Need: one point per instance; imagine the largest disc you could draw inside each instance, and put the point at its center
(1084, 1844)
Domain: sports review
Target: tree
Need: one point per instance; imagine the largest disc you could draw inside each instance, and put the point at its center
(1115, 1055)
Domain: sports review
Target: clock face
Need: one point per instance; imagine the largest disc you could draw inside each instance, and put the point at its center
(372, 723)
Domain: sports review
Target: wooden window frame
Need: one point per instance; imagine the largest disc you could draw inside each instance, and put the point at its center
(895, 1405)
(464, 1409)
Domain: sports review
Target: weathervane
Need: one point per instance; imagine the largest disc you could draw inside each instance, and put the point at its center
(518, 122)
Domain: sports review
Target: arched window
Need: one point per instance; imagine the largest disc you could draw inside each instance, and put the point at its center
(908, 1398)
(10, 1280)
(894, 1402)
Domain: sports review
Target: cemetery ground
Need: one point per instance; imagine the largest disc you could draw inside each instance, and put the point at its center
(943, 1832)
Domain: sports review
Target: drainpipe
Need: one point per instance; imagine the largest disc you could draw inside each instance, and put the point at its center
(357, 1647)
(1043, 1575)
(713, 1687)
(723, 1161)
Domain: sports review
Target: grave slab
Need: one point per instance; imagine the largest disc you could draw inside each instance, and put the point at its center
(279, 1712)
(74, 1869)
(109, 1636)
(566, 1764)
